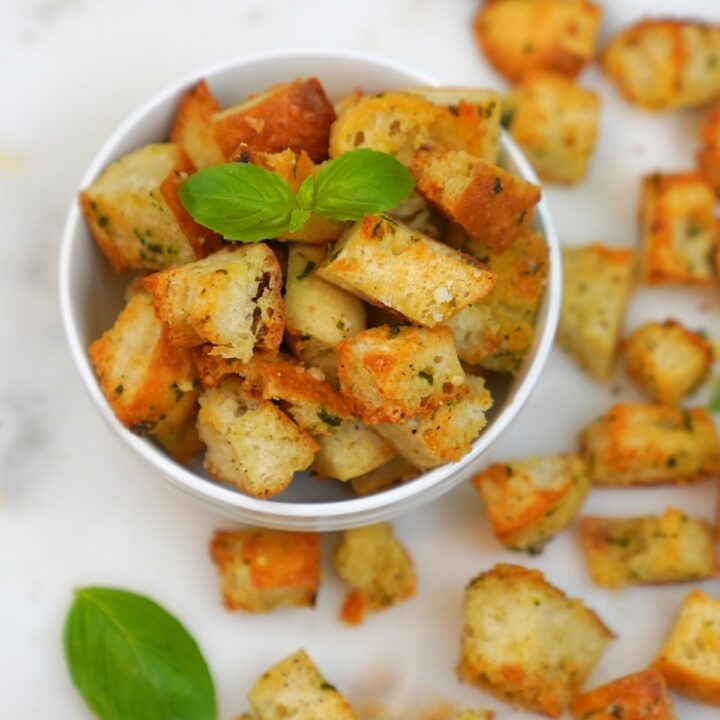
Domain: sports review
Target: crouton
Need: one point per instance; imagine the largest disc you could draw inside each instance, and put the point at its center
(640, 696)
(395, 471)
(709, 154)
(690, 659)
(597, 282)
(666, 361)
(261, 570)
(147, 381)
(134, 213)
(230, 299)
(554, 121)
(444, 436)
(645, 444)
(661, 64)
(491, 204)
(386, 263)
(475, 715)
(521, 35)
(497, 332)
(250, 442)
(525, 641)
(633, 551)
(192, 128)
(377, 568)
(182, 443)
(679, 229)
(390, 374)
(294, 689)
(529, 501)
(295, 115)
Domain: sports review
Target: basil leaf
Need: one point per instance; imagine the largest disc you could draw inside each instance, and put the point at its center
(306, 193)
(360, 182)
(714, 404)
(129, 658)
(241, 201)
(298, 218)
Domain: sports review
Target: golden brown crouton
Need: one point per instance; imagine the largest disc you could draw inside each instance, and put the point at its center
(679, 229)
(554, 121)
(597, 282)
(666, 361)
(641, 696)
(230, 299)
(148, 382)
(182, 443)
(395, 471)
(392, 373)
(639, 444)
(491, 204)
(377, 568)
(662, 64)
(250, 442)
(525, 641)
(528, 501)
(295, 115)
(134, 213)
(709, 154)
(261, 570)
(633, 551)
(294, 689)
(690, 659)
(387, 263)
(521, 35)
(475, 715)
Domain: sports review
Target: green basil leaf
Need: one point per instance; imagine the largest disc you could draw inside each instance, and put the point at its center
(241, 201)
(129, 658)
(714, 404)
(360, 182)
(306, 193)
(298, 218)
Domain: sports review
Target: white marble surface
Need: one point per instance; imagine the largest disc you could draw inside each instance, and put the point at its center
(77, 509)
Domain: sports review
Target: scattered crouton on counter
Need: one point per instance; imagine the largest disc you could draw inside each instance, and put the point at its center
(709, 154)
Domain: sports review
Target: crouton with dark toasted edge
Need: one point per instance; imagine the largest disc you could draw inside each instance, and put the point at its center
(182, 443)
(395, 471)
(708, 156)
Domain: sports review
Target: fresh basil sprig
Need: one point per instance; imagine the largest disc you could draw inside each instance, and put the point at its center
(244, 202)
(129, 658)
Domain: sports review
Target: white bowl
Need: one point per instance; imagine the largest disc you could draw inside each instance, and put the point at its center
(91, 296)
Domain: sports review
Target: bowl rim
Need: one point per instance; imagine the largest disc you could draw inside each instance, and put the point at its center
(335, 514)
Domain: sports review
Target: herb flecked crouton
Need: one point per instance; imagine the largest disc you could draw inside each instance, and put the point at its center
(261, 570)
(662, 64)
(667, 361)
(182, 443)
(640, 696)
(529, 501)
(393, 472)
(525, 641)
(679, 229)
(646, 444)
(231, 299)
(631, 551)
(294, 689)
(521, 35)
(690, 659)
(377, 568)
(597, 282)
(709, 154)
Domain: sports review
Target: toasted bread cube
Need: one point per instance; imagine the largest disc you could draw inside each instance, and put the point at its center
(529, 501)
(554, 121)
(666, 361)
(182, 443)
(597, 282)
(475, 715)
(387, 263)
(295, 115)
(444, 436)
(497, 332)
(662, 64)
(632, 551)
(690, 659)
(395, 471)
(640, 696)
(134, 213)
(250, 442)
(390, 374)
(261, 570)
(679, 229)
(709, 154)
(521, 35)
(645, 444)
(525, 641)
(294, 689)
(377, 568)
(491, 204)
(231, 299)
(148, 382)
